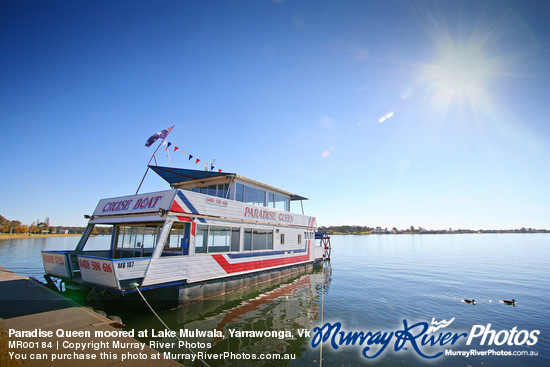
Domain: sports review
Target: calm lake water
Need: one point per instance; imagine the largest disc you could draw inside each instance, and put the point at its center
(373, 283)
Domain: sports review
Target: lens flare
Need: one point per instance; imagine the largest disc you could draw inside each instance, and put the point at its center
(460, 75)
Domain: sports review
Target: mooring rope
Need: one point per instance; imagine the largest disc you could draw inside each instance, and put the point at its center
(166, 326)
(322, 312)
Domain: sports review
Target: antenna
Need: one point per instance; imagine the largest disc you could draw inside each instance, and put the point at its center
(211, 164)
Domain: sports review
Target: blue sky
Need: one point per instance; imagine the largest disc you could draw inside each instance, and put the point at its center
(383, 113)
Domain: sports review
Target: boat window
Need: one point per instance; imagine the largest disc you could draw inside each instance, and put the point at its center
(217, 239)
(222, 191)
(100, 240)
(211, 190)
(282, 238)
(248, 239)
(299, 238)
(201, 239)
(135, 240)
(239, 192)
(258, 239)
(281, 202)
(235, 239)
(150, 235)
(137, 236)
(254, 196)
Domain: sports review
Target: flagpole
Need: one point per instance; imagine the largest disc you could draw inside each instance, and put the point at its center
(153, 156)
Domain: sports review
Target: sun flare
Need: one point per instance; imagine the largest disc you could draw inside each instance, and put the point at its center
(460, 75)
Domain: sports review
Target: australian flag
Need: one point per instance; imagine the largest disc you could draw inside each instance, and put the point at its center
(160, 135)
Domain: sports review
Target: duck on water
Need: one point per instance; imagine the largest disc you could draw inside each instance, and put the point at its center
(508, 302)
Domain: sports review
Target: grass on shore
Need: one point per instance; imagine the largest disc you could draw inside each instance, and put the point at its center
(5, 360)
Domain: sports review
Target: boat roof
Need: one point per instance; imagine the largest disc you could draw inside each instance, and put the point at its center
(181, 176)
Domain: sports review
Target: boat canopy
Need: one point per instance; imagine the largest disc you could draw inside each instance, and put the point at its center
(182, 178)
(179, 175)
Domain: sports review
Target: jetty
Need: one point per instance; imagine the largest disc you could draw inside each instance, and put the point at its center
(46, 329)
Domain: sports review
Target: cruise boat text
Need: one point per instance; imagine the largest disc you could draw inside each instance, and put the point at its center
(122, 205)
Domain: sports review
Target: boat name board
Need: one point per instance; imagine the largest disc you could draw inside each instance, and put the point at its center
(135, 204)
(54, 259)
(55, 264)
(145, 203)
(252, 212)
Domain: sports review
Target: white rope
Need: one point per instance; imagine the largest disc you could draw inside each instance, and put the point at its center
(322, 312)
(166, 326)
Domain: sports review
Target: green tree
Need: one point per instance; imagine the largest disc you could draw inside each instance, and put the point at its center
(33, 228)
(4, 224)
(13, 224)
(43, 227)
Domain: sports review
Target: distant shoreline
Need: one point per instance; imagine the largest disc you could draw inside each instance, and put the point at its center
(5, 236)
(374, 233)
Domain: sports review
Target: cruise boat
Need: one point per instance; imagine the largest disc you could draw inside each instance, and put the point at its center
(212, 232)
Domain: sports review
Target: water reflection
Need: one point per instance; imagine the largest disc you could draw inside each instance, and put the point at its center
(281, 307)
(23, 255)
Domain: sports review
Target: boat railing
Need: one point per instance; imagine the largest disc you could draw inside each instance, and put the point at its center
(121, 252)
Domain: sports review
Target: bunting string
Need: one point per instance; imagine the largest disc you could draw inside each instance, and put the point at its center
(163, 135)
(168, 147)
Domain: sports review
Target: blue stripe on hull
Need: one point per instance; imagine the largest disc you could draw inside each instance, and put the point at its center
(190, 206)
(265, 253)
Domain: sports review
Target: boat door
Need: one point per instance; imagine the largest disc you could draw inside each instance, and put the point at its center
(185, 239)
(177, 243)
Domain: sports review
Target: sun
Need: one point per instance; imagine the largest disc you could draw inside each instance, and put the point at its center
(460, 74)
(464, 60)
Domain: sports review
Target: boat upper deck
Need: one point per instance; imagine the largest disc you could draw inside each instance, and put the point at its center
(228, 186)
(205, 195)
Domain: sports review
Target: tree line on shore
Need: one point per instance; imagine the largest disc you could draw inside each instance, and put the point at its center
(354, 229)
(43, 227)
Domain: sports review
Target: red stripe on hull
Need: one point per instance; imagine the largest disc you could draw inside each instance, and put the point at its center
(258, 264)
(193, 225)
(176, 207)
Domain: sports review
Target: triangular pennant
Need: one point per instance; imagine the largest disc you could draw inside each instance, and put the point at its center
(219, 170)
(190, 156)
(175, 148)
(182, 152)
(198, 160)
(211, 168)
(167, 146)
